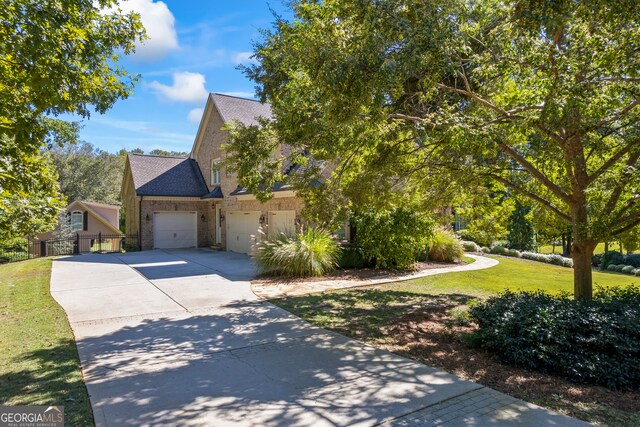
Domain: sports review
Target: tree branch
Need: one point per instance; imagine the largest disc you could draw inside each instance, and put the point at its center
(555, 189)
(617, 191)
(534, 196)
(627, 227)
(606, 165)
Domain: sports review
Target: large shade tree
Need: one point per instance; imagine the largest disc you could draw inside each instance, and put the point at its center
(541, 97)
(56, 57)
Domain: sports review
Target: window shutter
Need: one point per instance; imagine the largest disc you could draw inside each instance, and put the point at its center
(85, 221)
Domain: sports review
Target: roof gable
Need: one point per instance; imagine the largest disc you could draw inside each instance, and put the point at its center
(246, 111)
(90, 208)
(166, 176)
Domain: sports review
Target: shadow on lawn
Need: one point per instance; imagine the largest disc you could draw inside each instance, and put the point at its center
(364, 312)
(54, 379)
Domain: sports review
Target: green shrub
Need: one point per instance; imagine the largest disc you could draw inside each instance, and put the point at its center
(632, 259)
(612, 267)
(611, 257)
(513, 253)
(499, 250)
(549, 259)
(351, 257)
(637, 273)
(591, 342)
(392, 239)
(310, 252)
(445, 246)
(596, 260)
(485, 250)
(628, 269)
(470, 246)
(466, 235)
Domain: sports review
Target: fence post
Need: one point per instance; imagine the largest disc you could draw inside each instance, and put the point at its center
(76, 244)
(100, 241)
(139, 241)
(43, 248)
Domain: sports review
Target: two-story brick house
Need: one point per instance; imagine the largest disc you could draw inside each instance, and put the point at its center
(195, 202)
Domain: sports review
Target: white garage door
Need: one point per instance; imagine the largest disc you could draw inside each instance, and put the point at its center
(282, 222)
(174, 230)
(242, 230)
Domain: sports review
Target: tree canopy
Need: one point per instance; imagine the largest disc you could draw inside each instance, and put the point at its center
(539, 97)
(56, 57)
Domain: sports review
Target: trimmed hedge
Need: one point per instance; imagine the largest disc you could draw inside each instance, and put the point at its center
(590, 342)
(533, 256)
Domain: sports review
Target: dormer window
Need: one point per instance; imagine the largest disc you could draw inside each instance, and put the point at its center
(215, 172)
(77, 221)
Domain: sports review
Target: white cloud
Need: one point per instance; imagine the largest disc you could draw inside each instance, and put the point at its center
(160, 25)
(243, 57)
(187, 87)
(195, 115)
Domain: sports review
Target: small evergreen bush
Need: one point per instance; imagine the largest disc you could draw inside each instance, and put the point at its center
(513, 253)
(470, 246)
(310, 252)
(596, 260)
(351, 257)
(499, 250)
(628, 269)
(485, 250)
(612, 267)
(591, 342)
(632, 259)
(611, 257)
(445, 246)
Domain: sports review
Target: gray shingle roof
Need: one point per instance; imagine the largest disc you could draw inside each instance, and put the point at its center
(244, 110)
(166, 176)
(216, 193)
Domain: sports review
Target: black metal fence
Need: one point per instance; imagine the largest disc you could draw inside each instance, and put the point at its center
(23, 249)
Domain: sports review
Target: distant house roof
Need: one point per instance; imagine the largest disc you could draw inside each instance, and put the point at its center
(246, 111)
(166, 176)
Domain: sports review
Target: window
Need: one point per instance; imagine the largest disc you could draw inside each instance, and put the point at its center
(77, 220)
(215, 172)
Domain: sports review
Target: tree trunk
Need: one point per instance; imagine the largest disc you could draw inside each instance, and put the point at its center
(606, 246)
(581, 253)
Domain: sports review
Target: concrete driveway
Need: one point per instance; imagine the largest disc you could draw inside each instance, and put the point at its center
(178, 338)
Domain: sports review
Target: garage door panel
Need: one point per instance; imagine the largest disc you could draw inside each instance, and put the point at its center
(173, 230)
(242, 230)
(282, 222)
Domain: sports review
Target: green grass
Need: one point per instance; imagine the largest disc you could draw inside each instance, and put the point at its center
(39, 362)
(547, 249)
(513, 274)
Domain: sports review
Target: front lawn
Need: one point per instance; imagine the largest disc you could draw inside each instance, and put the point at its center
(39, 362)
(419, 319)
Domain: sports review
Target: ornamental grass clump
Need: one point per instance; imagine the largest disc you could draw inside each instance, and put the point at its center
(309, 252)
(445, 246)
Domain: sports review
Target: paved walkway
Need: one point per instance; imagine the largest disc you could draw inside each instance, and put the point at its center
(270, 290)
(178, 338)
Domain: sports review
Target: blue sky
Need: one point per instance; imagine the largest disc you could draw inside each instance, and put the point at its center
(194, 48)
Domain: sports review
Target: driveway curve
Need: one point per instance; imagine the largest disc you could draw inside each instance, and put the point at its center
(178, 338)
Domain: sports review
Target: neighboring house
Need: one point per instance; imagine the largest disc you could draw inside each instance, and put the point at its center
(195, 202)
(92, 226)
(89, 219)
